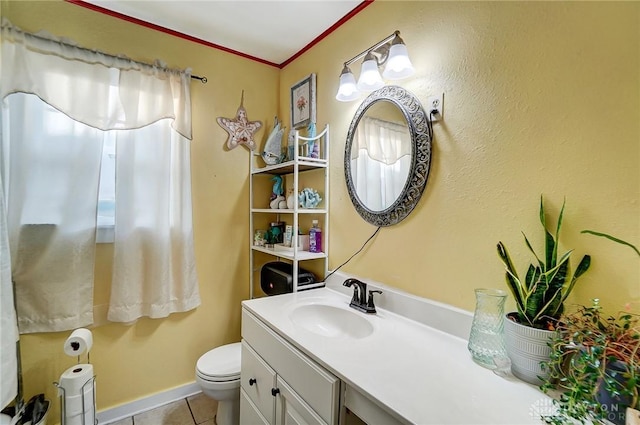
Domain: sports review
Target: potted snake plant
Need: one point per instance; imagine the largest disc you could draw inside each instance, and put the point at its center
(595, 362)
(539, 295)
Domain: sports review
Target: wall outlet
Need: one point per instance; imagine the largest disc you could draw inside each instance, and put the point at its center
(434, 104)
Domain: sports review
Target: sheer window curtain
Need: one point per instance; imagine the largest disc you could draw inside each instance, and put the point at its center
(154, 268)
(52, 187)
(8, 325)
(383, 152)
(150, 108)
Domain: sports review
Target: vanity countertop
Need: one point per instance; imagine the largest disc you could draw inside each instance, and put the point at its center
(416, 372)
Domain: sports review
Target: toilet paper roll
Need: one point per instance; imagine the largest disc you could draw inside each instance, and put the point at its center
(77, 404)
(79, 395)
(74, 378)
(79, 341)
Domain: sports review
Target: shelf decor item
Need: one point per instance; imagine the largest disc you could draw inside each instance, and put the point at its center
(540, 297)
(259, 238)
(313, 147)
(309, 198)
(277, 200)
(277, 187)
(240, 129)
(303, 102)
(291, 199)
(272, 153)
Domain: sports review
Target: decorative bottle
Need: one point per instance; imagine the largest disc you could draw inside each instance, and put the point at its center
(315, 237)
(486, 341)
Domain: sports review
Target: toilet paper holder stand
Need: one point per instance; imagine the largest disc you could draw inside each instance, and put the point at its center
(63, 407)
(80, 341)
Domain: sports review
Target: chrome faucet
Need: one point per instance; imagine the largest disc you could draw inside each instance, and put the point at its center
(360, 301)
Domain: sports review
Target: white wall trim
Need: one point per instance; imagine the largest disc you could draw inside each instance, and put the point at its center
(140, 405)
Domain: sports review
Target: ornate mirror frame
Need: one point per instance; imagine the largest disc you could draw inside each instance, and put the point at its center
(420, 131)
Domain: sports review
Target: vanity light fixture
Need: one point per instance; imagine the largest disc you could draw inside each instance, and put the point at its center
(391, 52)
(370, 78)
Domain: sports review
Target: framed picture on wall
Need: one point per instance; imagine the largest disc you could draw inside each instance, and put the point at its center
(303, 102)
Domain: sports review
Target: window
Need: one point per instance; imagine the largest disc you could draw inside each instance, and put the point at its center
(106, 219)
(53, 180)
(51, 129)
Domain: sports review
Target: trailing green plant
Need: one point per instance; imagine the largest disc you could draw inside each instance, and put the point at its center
(540, 296)
(590, 354)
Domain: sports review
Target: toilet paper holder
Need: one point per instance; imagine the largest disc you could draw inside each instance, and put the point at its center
(77, 389)
(80, 341)
(79, 418)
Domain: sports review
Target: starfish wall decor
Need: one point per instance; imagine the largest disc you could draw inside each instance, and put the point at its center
(240, 129)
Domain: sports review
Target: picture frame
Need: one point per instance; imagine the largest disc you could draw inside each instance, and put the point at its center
(303, 102)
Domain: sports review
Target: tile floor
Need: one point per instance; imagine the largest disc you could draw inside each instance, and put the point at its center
(195, 410)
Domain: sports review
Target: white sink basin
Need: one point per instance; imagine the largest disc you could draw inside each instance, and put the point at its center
(330, 321)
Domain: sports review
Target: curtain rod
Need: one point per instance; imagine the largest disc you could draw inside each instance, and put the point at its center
(51, 38)
(202, 79)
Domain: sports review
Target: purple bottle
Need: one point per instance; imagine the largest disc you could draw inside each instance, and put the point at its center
(315, 237)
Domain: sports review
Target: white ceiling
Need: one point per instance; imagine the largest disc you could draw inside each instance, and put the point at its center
(272, 31)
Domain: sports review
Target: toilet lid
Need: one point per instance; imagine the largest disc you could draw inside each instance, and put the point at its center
(221, 362)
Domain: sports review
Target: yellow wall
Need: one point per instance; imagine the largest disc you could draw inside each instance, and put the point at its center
(522, 82)
(155, 355)
(540, 98)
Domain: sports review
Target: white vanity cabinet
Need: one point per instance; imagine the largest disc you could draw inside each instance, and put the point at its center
(279, 384)
(411, 369)
(257, 381)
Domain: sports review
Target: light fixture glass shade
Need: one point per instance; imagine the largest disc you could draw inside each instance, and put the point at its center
(347, 91)
(370, 78)
(398, 64)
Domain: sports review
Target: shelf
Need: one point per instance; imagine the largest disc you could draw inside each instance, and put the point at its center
(311, 286)
(260, 214)
(288, 211)
(304, 164)
(301, 256)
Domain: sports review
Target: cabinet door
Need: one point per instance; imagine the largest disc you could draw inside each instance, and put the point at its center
(318, 387)
(249, 413)
(291, 409)
(257, 380)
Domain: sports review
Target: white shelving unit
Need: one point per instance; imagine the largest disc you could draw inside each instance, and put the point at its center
(294, 171)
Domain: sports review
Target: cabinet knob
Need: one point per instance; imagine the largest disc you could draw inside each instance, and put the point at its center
(252, 381)
(275, 391)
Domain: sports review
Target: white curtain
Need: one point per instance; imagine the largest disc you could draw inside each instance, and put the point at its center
(102, 91)
(381, 153)
(52, 170)
(154, 268)
(8, 326)
(52, 220)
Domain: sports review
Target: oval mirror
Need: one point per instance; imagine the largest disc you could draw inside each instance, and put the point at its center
(387, 156)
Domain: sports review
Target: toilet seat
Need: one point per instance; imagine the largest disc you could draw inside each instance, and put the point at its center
(221, 364)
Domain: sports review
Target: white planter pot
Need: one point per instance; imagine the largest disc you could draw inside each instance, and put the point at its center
(527, 348)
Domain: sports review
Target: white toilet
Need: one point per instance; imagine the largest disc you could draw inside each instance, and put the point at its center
(218, 374)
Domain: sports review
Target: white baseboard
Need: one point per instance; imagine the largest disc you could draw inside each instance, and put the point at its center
(135, 407)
